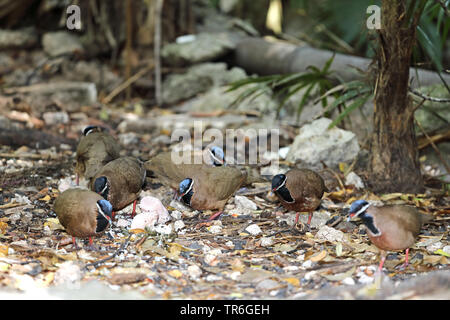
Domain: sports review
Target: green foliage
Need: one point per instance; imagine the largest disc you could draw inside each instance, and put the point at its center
(282, 87)
(347, 19)
(347, 97)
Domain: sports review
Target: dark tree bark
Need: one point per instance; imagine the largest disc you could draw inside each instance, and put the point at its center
(394, 162)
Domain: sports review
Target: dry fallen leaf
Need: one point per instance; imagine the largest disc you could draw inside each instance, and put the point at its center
(123, 278)
(434, 260)
(46, 198)
(339, 276)
(284, 247)
(294, 281)
(3, 226)
(339, 249)
(175, 273)
(318, 256)
(53, 224)
(136, 231)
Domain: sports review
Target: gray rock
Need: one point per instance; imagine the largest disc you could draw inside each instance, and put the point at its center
(353, 179)
(198, 78)
(61, 42)
(180, 121)
(52, 118)
(227, 6)
(318, 219)
(128, 138)
(327, 233)
(316, 143)
(244, 202)
(205, 47)
(14, 39)
(70, 95)
(268, 284)
(68, 272)
(253, 229)
(220, 99)
(91, 71)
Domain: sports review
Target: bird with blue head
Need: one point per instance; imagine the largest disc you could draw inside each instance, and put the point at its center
(83, 213)
(389, 227)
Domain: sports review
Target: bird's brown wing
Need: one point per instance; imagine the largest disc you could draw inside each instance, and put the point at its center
(169, 173)
(305, 185)
(77, 211)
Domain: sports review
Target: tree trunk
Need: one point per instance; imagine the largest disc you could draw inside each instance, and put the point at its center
(394, 163)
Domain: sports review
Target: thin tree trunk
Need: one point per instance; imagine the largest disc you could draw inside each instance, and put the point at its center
(394, 163)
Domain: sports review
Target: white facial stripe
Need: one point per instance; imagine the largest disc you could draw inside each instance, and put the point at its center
(362, 209)
(214, 157)
(106, 187)
(190, 187)
(281, 185)
(103, 214)
(89, 131)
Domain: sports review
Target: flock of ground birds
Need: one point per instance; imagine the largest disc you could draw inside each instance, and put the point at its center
(115, 182)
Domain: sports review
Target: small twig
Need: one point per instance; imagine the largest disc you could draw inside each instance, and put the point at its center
(157, 49)
(128, 44)
(121, 248)
(423, 96)
(434, 147)
(419, 105)
(141, 241)
(125, 84)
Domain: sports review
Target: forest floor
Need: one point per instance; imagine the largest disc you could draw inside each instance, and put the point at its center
(219, 260)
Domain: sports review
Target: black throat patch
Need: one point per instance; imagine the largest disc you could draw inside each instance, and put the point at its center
(284, 193)
(102, 223)
(187, 197)
(368, 221)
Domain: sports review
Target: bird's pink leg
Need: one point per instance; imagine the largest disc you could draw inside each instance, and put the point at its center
(74, 243)
(380, 267)
(78, 179)
(91, 245)
(309, 218)
(296, 218)
(215, 215)
(134, 209)
(404, 265)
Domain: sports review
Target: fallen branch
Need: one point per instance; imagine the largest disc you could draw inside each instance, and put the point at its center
(98, 262)
(30, 156)
(436, 138)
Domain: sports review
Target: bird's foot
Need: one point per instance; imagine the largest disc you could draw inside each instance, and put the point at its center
(91, 247)
(300, 228)
(73, 248)
(402, 267)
